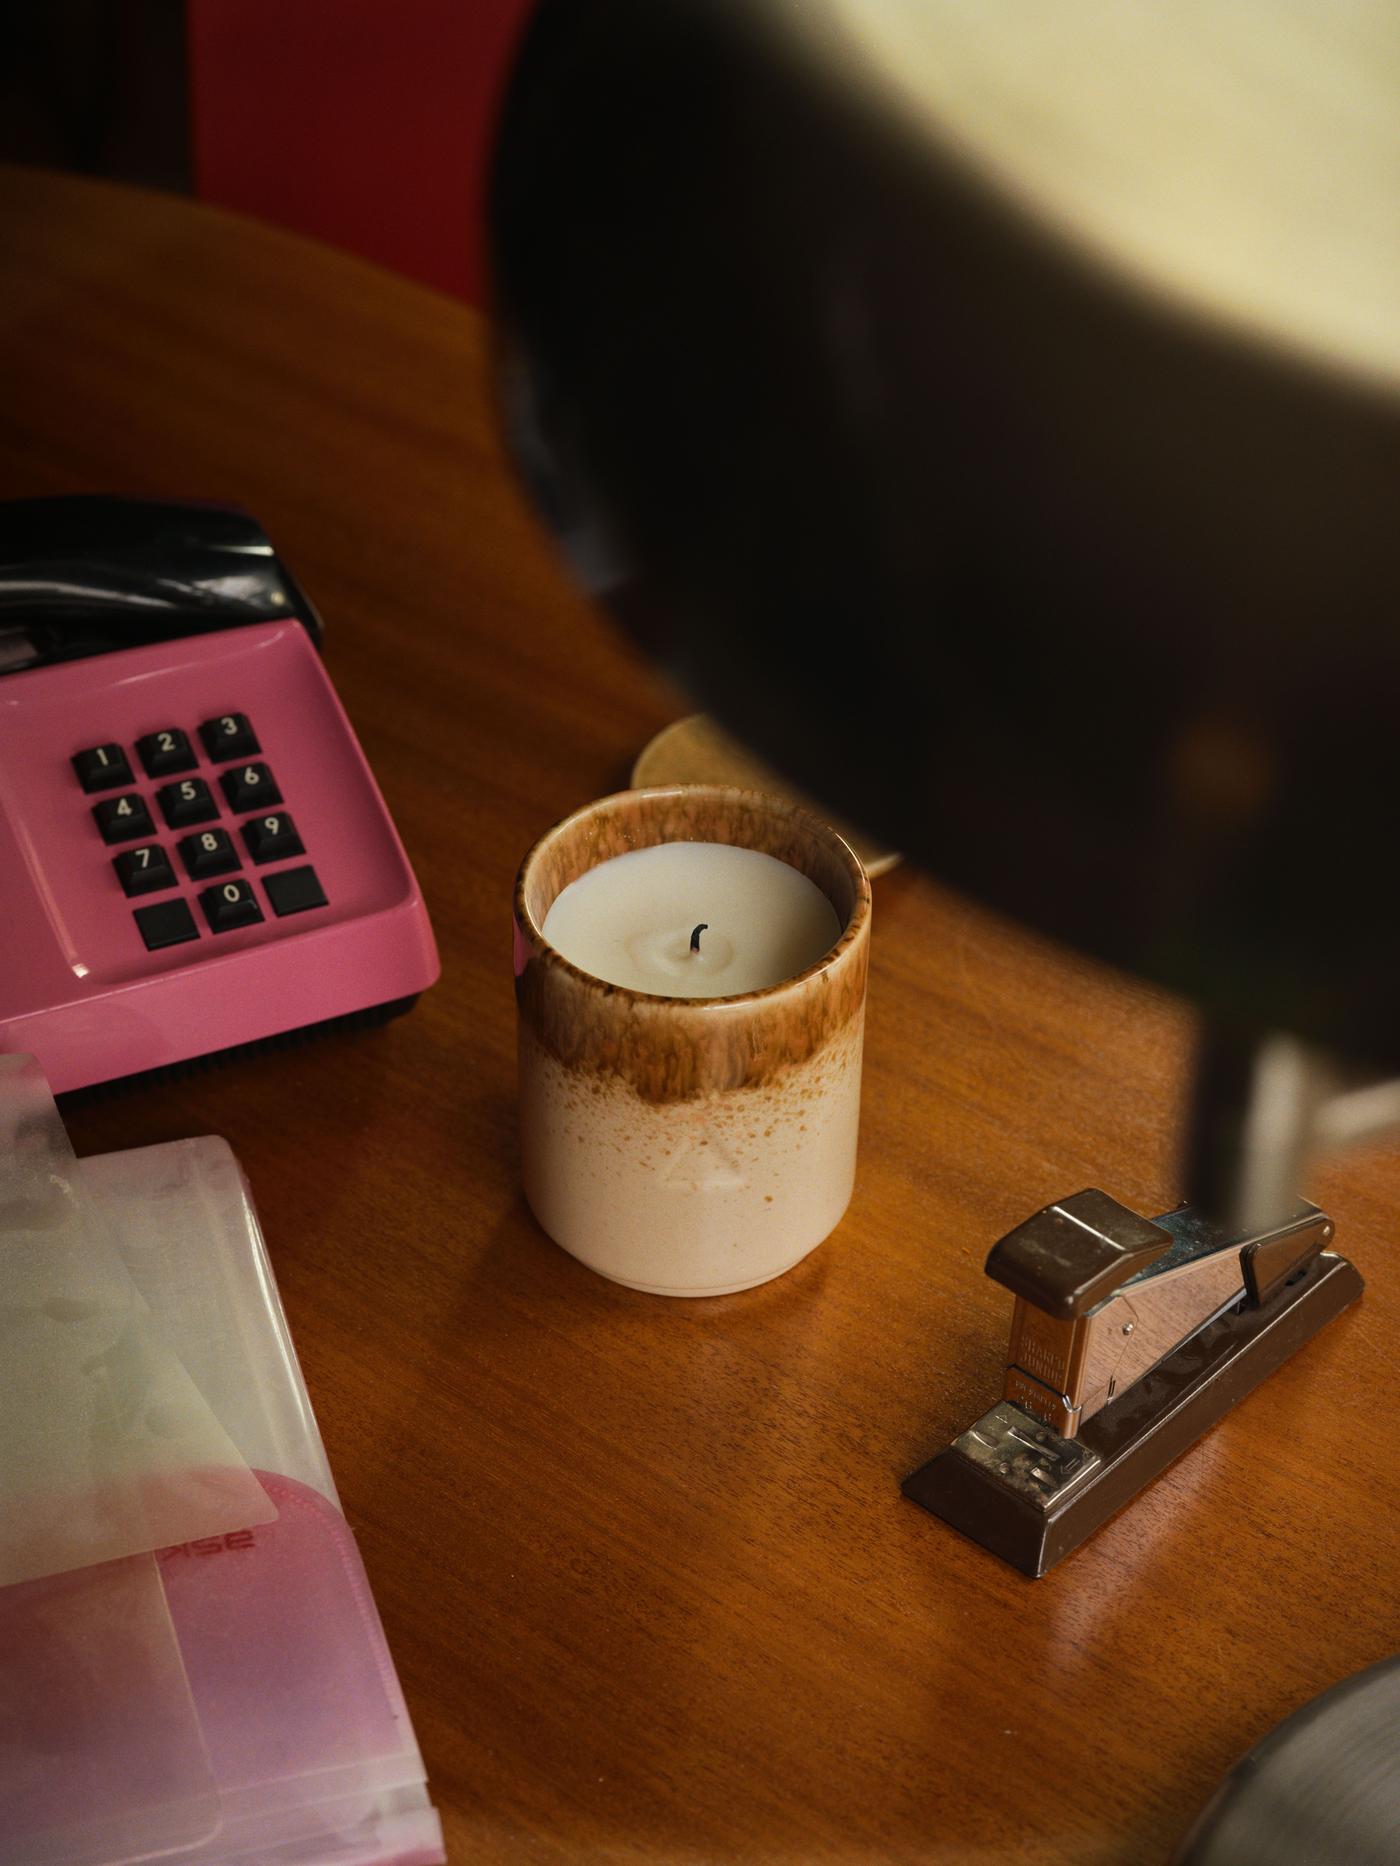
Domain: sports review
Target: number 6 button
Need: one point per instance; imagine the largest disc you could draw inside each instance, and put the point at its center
(249, 787)
(230, 905)
(269, 838)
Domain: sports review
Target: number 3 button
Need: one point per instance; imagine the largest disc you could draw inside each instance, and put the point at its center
(230, 905)
(250, 787)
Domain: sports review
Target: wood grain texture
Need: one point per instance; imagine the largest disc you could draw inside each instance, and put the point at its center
(644, 1566)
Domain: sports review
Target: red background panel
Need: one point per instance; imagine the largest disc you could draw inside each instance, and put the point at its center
(366, 123)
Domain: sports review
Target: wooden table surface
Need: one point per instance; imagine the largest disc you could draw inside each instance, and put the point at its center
(644, 1565)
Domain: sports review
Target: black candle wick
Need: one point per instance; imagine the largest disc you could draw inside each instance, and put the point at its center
(695, 936)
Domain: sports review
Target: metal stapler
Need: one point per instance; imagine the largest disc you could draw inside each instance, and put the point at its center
(1129, 1337)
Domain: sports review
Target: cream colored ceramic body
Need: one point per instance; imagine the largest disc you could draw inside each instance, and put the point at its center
(690, 1147)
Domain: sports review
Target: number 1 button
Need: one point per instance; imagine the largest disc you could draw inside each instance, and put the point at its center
(250, 787)
(230, 905)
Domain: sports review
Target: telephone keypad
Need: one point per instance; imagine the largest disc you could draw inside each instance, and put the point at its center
(250, 787)
(232, 904)
(229, 736)
(188, 801)
(123, 819)
(102, 767)
(145, 870)
(208, 852)
(163, 752)
(168, 923)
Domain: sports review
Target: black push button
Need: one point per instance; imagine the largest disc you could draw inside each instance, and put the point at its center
(164, 752)
(208, 852)
(145, 870)
(270, 838)
(168, 923)
(102, 768)
(189, 801)
(123, 819)
(294, 890)
(230, 905)
(229, 736)
(250, 787)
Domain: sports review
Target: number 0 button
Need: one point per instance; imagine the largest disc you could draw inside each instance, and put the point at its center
(249, 787)
(230, 905)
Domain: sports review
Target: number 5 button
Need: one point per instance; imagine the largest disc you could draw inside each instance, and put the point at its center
(269, 838)
(250, 787)
(189, 801)
(230, 905)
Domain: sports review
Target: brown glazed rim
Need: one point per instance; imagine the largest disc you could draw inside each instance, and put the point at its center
(681, 797)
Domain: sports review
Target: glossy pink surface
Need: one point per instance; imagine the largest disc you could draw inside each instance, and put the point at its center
(78, 988)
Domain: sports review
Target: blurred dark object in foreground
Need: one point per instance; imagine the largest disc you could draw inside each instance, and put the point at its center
(96, 87)
(1083, 598)
(1324, 1786)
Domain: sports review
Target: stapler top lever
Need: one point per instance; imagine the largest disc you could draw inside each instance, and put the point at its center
(1102, 1295)
(1130, 1336)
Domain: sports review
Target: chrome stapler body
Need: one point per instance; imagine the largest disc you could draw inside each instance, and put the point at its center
(1129, 1338)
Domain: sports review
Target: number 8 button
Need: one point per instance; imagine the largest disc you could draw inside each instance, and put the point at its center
(250, 787)
(208, 852)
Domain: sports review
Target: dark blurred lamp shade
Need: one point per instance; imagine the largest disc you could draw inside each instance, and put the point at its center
(994, 419)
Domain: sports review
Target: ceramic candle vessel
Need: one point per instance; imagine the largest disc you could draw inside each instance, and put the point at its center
(690, 1146)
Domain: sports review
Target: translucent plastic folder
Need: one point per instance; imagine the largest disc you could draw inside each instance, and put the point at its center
(227, 1695)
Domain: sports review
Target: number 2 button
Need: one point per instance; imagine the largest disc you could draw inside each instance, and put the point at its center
(250, 787)
(230, 905)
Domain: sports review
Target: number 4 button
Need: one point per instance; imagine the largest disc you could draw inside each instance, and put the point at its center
(249, 787)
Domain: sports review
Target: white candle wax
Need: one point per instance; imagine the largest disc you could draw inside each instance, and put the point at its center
(632, 921)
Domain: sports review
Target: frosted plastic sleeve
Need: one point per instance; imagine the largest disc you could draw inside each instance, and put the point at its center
(107, 1447)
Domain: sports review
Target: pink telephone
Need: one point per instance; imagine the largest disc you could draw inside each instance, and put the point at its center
(194, 854)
